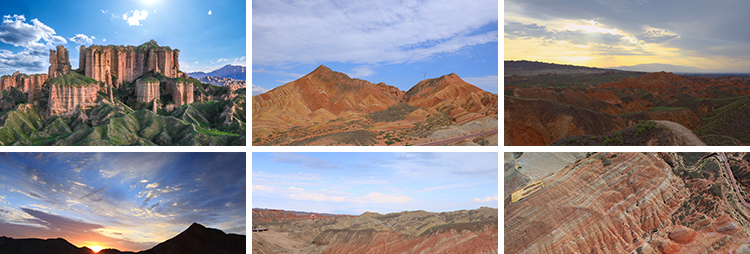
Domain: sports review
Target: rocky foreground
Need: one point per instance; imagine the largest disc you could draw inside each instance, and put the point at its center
(626, 203)
(465, 231)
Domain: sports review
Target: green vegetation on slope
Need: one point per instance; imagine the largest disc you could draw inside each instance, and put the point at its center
(72, 79)
(729, 120)
(116, 125)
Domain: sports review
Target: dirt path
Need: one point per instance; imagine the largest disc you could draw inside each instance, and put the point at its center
(685, 137)
(453, 140)
(734, 182)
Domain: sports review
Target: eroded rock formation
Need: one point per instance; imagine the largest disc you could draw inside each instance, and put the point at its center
(117, 65)
(59, 62)
(630, 203)
(69, 92)
(29, 84)
(464, 231)
(181, 91)
(146, 90)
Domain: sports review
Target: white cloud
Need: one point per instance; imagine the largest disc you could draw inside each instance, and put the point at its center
(375, 197)
(82, 39)
(361, 72)
(288, 177)
(300, 194)
(240, 61)
(258, 89)
(221, 60)
(367, 31)
(104, 39)
(486, 82)
(15, 31)
(263, 188)
(144, 181)
(135, 17)
(209, 12)
(35, 37)
(486, 199)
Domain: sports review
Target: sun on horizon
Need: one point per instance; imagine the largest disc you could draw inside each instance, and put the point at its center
(96, 248)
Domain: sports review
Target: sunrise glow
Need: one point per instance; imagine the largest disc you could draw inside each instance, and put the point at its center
(95, 248)
(612, 34)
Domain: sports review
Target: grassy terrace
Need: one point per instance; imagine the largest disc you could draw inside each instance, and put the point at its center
(72, 79)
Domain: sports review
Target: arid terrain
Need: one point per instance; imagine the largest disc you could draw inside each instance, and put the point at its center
(326, 107)
(571, 105)
(464, 231)
(627, 203)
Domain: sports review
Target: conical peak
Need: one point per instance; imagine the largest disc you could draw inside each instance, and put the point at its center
(322, 68)
(195, 226)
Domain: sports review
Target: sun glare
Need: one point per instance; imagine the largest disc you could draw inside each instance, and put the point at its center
(96, 248)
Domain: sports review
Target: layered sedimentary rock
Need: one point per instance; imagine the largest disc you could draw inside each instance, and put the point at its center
(630, 203)
(29, 84)
(325, 95)
(59, 62)
(541, 122)
(454, 96)
(146, 90)
(117, 65)
(322, 95)
(181, 91)
(482, 238)
(606, 203)
(69, 92)
(464, 231)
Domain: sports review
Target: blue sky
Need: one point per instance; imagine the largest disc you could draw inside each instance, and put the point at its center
(353, 183)
(389, 41)
(209, 34)
(128, 201)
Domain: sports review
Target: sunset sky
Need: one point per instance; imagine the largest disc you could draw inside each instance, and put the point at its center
(127, 201)
(711, 35)
(391, 41)
(353, 183)
(209, 34)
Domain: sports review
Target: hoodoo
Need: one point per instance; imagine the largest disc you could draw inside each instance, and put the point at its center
(117, 65)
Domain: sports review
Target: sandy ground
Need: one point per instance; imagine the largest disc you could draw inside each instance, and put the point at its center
(685, 137)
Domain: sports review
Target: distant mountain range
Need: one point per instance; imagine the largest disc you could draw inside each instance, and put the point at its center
(463, 231)
(530, 68)
(228, 71)
(657, 67)
(196, 239)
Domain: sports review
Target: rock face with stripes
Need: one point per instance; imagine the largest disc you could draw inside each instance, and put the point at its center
(630, 202)
(324, 95)
(117, 65)
(59, 61)
(29, 84)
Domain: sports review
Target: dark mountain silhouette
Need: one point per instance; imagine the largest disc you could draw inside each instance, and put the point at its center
(38, 246)
(228, 71)
(197, 239)
(530, 68)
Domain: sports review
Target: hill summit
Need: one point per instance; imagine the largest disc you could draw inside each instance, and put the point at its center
(324, 97)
